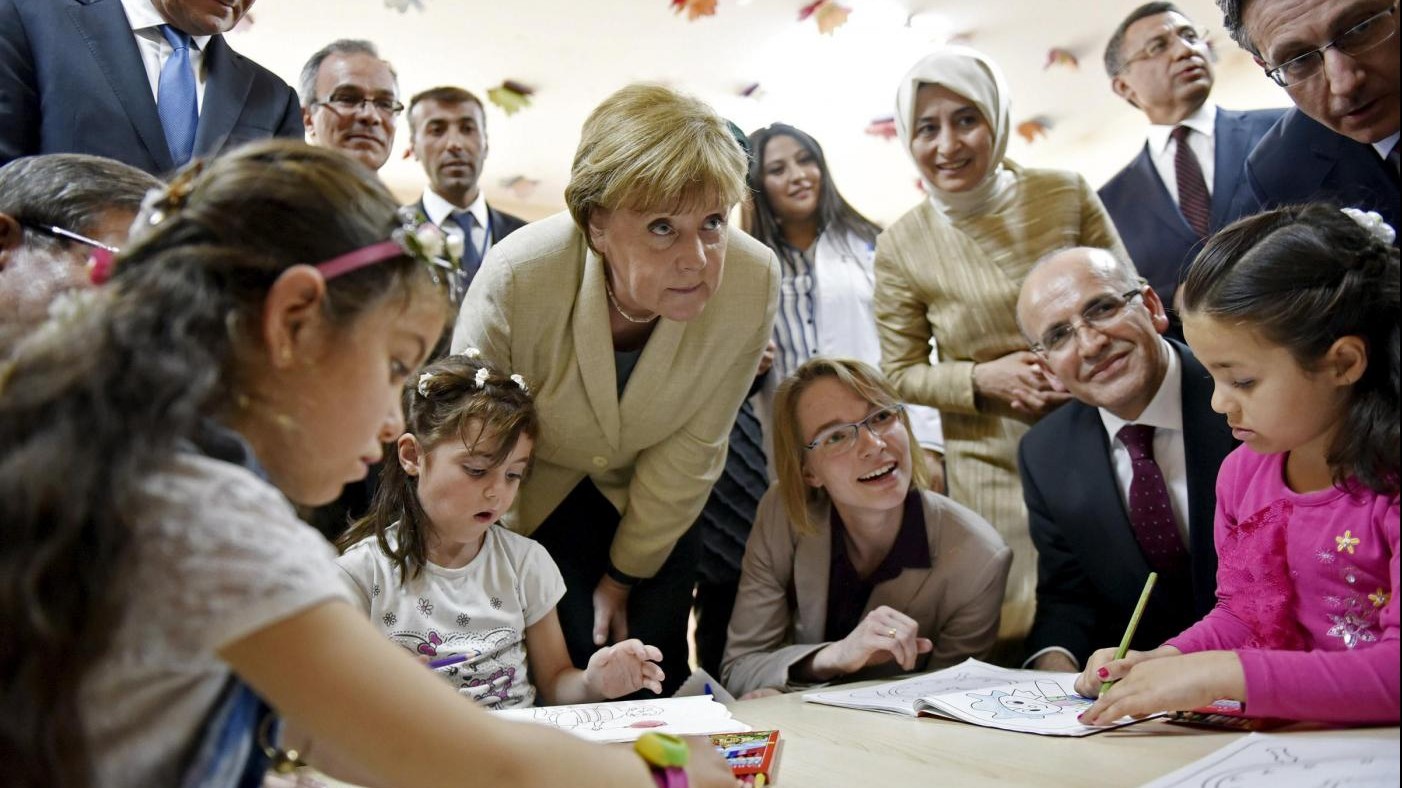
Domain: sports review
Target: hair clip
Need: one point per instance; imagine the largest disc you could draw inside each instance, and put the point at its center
(471, 352)
(520, 381)
(1373, 222)
(481, 378)
(424, 378)
(419, 239)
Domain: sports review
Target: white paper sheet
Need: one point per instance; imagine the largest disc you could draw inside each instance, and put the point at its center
(627, 720)
(1293, 761)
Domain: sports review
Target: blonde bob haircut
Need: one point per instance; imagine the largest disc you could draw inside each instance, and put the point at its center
(790, 444)
(649, 148)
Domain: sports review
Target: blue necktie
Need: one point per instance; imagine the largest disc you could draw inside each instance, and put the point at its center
(175, 97)
(471, 252)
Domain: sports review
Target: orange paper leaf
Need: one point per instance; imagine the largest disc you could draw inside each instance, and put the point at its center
(1033, 128)
(695, 9)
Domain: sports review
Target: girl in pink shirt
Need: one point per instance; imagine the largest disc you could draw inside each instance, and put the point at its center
(1294, 312)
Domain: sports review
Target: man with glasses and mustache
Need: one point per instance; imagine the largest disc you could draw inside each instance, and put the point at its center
(350, 101)
(1122, 480)
(150, 83)
(448, 135)
(1338, 62)
(55, 210)
(1181, 186)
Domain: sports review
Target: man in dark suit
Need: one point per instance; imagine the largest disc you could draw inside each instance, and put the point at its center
(1158, 61)
(448, 135)
(1120, 481)
(147, 82)
(1338, 62)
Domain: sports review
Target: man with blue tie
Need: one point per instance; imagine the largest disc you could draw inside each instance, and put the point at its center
(1338, 63)
(1181, 187)
(448, 135)
(147, 82)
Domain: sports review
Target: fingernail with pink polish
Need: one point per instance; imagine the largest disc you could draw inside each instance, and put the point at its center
(1103, 673)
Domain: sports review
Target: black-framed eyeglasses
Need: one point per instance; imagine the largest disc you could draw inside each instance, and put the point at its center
(54, 231)
(1098, 314)
(1191, 35)
(1352, 42)
(350, 102)
(840, 438)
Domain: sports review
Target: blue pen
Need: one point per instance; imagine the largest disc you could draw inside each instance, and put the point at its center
(448, 661)
(707, 689)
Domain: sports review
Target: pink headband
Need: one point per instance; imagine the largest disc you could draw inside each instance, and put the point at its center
(359, 258)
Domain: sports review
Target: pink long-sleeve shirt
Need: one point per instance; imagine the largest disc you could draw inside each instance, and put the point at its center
(1305, 586)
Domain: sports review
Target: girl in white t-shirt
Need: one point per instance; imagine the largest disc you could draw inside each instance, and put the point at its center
(436, 572)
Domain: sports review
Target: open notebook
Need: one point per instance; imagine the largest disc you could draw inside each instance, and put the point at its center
(626, 720)
(1026, 701)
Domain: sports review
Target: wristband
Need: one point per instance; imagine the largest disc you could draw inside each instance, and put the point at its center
(667, 755)
(619, 577)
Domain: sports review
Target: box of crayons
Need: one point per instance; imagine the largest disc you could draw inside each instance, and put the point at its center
(753, 756)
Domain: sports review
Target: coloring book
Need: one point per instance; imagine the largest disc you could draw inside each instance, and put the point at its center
(1294, 761)
(626, 720)
(1027, 701)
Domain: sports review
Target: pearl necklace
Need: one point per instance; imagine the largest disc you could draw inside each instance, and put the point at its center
(613, 299)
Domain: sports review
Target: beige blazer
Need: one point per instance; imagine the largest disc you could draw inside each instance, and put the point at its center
(781, 606)
(537, 307)
(958, 281)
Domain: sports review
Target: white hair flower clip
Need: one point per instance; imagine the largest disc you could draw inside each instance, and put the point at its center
(1373, 222)
(482, 375)
(520, 381)
(430, 240)
(471, 352)
(424, 378)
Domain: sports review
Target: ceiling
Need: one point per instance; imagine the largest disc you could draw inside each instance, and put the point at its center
(573, 53)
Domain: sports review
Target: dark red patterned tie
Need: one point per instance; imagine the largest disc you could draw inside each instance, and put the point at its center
(1150, 511)
(1193, 199)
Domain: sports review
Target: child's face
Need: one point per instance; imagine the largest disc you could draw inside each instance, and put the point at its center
(1271, 403)
(459, 489)
(335, 400)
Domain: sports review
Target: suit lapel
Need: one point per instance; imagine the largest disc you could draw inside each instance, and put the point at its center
(1156, 197)
(227, 82)
(1230, 148)
(108, 35)
(1105, 529)
(593, 347)
(812, 560)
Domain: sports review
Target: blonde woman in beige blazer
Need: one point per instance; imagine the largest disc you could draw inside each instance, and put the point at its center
(951, 269)
(854, 569)
(637, 320)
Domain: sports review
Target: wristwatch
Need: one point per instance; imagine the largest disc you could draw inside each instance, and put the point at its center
(667, 755)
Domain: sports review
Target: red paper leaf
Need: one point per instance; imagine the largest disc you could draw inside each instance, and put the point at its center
(884, 128)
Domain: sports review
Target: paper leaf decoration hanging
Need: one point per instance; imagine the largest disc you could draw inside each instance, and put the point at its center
(520, 186)
(751, 91)
(885, 128)
(511, 96)
(403, 5)
(695, 9)
(828, 14)
(1056, 56)
(1033, 128)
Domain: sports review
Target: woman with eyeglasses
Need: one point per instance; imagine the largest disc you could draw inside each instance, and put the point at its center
(951, 269)
(854, 569)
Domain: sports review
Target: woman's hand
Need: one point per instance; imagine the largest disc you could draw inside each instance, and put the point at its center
(610, 611)
(1170, 683)
(1018, 380)
(766, 359)
(885, 634)
(934, 463)
(623, 668)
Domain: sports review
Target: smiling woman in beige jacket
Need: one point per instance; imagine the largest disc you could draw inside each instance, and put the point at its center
(854, 569)
(638, 320)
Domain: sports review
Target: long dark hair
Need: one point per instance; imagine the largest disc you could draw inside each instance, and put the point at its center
(1304, 276)
(95, 401)
(446, 403)
(834, 212)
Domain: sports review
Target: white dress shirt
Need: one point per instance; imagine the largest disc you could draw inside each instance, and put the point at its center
(1163, 149)
(1385, 145)
(1165, 415)
(155, 50)
(440, 211)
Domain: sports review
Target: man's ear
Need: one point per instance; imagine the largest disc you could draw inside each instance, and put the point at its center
(1158, 314)
(1048, 374)
(307, 127)
(292, 319)
(1347, 359)
(11, 235)
(1123, 90)
(410, 454)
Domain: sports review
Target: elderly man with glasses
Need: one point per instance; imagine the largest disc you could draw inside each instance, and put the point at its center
(55, 210)
(350, 101)
(1121, 481)
(1181, 186)
(1338, 62)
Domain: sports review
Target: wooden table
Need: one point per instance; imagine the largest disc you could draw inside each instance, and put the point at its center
(830, 747)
